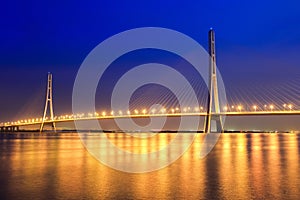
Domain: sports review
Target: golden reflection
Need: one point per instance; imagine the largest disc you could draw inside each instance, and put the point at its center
(273, 167)
(139, 142)
(226, 158)
(191, 170)
(240, 166)
(256, 164)
(292, 164)
(241, 172)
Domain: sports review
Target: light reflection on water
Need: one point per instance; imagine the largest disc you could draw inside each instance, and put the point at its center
(241, 166)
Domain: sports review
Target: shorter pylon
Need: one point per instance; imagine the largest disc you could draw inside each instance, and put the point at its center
(50, 102)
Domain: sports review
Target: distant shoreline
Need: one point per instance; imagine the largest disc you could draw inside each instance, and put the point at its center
(32, 134)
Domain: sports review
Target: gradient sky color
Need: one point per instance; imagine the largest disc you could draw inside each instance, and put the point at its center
(257, 42)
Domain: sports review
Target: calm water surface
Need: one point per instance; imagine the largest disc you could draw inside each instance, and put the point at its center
(241, 166)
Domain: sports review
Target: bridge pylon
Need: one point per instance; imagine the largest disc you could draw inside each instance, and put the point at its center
(213, 122)
(49, 101)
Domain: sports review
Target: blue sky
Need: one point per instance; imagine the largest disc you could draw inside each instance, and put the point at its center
(257, 41)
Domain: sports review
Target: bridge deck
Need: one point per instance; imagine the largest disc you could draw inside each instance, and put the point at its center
(71, 118)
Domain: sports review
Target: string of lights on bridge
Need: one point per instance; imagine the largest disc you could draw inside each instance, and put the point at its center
(163, 111)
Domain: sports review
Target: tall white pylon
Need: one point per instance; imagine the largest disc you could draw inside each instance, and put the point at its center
(213, 120)
(49, 101)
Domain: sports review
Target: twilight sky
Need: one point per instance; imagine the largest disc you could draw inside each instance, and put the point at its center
(257, 44)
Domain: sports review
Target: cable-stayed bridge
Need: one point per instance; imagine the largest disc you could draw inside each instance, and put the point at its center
(211, 109)
(14, 126)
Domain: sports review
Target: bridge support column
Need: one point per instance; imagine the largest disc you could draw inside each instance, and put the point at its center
(15, 128)
(216, 124)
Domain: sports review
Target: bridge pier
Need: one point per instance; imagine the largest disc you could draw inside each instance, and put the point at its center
(15, 129)
(4, 129)
(215, 124)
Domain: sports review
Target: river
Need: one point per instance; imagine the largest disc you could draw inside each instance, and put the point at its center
(240, 166)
